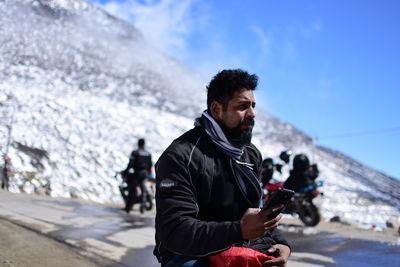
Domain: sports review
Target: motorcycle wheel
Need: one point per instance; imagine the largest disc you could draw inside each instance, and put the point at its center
(309, 214)
(149, 203)
(124, 193)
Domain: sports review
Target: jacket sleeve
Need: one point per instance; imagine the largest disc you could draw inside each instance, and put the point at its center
(150, 162)
(177, 225)
(278, 237)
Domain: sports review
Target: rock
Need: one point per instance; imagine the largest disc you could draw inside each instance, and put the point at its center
(335, 219)
(393, 223)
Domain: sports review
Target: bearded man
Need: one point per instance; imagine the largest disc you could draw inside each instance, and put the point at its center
(208, 194)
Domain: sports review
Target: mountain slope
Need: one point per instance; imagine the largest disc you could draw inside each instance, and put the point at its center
(79, 87)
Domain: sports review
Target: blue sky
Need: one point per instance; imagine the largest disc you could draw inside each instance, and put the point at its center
(330, 68)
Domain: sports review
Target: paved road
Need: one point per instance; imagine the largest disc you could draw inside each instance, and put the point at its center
(109, 237)
(105, 234)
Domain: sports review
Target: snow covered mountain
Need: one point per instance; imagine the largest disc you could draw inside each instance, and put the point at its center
(78, 87)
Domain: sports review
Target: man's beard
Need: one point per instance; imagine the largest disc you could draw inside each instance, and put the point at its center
(240, 137)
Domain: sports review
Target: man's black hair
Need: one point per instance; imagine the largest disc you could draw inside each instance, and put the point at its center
(141, 142)
(226, 83)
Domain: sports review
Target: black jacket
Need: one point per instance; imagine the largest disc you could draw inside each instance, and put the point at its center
(300, 179)
(139, 161)
(199, 203)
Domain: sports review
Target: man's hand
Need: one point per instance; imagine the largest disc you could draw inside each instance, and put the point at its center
(281, 252)
(255, 223)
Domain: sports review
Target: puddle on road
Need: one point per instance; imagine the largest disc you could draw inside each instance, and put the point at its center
(363, 253)
(346, 251)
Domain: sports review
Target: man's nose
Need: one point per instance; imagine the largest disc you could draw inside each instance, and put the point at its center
(251, 113)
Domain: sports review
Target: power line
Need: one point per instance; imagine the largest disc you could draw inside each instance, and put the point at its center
(387, 130)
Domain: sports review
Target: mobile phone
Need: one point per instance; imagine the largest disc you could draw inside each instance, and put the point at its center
(280, 196)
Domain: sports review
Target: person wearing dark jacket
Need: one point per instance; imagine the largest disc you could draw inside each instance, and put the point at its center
(302, 175)
(140, 163)
(208, 194)
(267, 171)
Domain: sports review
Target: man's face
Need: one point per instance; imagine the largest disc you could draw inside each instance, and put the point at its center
(237, 120)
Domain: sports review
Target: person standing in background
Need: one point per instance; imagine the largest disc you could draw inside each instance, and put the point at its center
(136, 174)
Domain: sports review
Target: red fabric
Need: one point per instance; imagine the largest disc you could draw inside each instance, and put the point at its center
(272, 186)
(239, 257)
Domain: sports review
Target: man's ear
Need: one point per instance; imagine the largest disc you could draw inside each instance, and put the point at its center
(216, 109)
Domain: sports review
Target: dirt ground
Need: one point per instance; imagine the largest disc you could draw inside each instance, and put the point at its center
(22, 247)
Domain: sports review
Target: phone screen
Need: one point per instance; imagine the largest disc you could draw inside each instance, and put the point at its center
(280, 196)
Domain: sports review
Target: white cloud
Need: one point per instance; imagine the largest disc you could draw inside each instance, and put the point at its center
(312, 28)
(171, 26)
(166, 24)
(116, 9)
(264, 41)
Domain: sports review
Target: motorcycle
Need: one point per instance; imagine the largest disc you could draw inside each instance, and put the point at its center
(305, 192)
(301, 203)
(123, 189)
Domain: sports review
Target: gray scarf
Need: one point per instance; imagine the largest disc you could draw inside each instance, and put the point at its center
(243, 171)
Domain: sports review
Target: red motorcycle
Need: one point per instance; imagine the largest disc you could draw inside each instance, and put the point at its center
(301, 203)
(301, 180)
